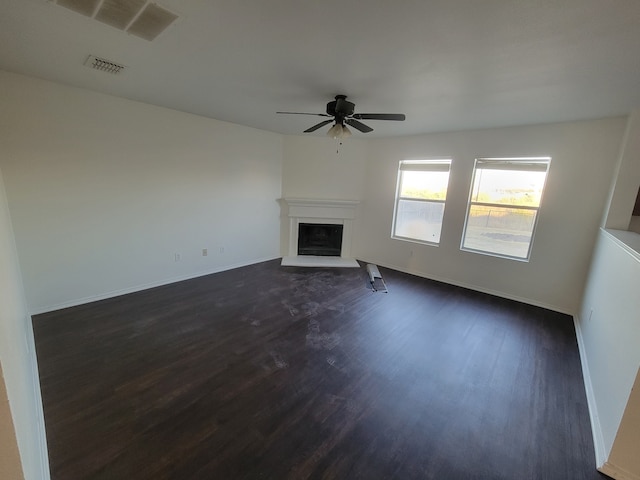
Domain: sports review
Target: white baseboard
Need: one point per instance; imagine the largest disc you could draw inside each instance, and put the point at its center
(618, 473)
(146, 286)
(596, 429)
(469, 286)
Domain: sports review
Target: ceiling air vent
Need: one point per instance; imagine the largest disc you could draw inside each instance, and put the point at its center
(103, 65)
(85, 7)
(141, 18)
(151, 22)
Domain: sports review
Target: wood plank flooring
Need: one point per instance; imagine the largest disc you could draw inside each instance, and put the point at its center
(270, 372)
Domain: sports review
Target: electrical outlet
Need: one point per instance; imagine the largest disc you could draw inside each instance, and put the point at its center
(205, 252)
(221, 249)
(178, 257)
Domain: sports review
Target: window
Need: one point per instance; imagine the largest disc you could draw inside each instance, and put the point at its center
(420, 197)
(503, 206)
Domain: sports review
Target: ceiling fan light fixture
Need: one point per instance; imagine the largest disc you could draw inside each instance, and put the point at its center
(346, 133)
(336, 131)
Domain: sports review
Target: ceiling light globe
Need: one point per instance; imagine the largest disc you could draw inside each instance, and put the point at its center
(335, 131)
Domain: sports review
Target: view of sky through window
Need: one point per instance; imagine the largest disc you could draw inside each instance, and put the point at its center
(503, 206)
(420, 200)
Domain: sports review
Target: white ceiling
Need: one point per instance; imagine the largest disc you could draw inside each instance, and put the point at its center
(446, 64)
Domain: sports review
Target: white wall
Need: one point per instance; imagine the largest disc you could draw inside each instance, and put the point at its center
(17, 356)
(627, 179)
(584, 156)
(104, 192)
(313, 169)
(607, 326)
(609, 333)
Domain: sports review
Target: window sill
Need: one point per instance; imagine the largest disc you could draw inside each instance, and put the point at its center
(413, 240)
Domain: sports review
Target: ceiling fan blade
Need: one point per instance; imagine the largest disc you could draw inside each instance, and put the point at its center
(301, 113)
(319, 125)
(380, 116)
(358, 125)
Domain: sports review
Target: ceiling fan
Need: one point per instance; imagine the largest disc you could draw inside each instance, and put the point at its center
(342, 115)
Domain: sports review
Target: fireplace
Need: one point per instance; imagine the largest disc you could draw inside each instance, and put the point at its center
(322, 239)
(324, 230)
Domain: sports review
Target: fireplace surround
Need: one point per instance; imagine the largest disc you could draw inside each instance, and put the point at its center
(322, 212)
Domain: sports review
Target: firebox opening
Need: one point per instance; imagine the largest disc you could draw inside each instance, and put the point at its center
(320, 239)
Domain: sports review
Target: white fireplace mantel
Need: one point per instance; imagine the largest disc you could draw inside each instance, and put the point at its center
(308, 210)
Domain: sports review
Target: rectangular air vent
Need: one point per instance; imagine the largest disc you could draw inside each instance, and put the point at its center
(141, 18)
(85, 7)
(103, 65)
(119, 13)
(152, 22)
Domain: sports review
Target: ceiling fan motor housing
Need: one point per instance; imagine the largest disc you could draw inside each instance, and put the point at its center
(340, 107)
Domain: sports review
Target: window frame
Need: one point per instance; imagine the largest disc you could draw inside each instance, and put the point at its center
(531, 164)
(440, 164)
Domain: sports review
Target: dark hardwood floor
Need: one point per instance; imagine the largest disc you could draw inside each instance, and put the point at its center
(269, 372)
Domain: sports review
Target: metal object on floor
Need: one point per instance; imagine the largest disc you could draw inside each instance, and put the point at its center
(377, 282)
